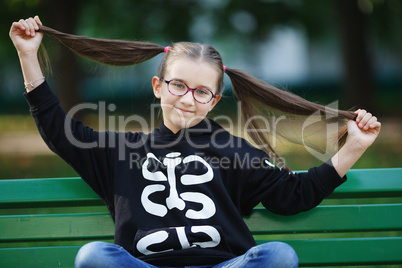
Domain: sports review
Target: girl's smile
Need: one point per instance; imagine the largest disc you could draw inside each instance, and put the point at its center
(183, 110)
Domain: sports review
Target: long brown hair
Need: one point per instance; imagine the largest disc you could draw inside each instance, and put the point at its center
(254, 94)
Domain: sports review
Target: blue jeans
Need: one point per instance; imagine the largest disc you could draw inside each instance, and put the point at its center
(101, 254)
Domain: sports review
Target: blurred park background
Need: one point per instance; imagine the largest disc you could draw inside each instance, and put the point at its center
(348, 51)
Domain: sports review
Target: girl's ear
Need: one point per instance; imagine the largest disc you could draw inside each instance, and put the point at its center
(214, 102)
(156, 85)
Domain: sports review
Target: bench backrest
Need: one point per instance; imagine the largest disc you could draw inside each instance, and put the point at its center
(360, 223)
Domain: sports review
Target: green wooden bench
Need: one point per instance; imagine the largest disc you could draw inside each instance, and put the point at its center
(43, 222)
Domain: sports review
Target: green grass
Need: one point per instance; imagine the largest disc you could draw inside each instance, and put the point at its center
(33, 166)
(19, 166)
(386, 152)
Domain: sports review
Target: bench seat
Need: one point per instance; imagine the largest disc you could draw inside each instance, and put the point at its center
(44, 222)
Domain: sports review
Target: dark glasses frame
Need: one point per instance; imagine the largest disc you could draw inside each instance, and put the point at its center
(188, 89)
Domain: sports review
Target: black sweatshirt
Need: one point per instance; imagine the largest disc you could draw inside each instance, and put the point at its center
(178, 199)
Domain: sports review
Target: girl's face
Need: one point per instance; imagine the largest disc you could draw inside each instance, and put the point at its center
(183, 111)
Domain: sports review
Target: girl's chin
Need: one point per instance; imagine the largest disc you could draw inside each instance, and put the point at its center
(182, 123)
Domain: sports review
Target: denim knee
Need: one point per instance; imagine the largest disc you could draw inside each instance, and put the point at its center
(106, 255)
(275, 254)
(92, 255)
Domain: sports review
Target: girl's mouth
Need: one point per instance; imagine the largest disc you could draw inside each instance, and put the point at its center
(184, 110)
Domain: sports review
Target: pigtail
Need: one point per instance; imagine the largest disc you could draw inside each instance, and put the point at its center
(256, 95)
(107, 51)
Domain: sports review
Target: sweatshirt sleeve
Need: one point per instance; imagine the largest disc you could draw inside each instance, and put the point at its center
(287, 194)
(84, 149)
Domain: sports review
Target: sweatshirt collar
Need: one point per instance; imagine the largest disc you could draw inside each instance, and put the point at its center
(204, 127)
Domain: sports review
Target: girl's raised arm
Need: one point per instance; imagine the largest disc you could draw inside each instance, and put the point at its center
(361, 134)
(27, 40)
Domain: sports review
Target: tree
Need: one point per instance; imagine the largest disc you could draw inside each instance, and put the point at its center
(62, 16)
(359, 83)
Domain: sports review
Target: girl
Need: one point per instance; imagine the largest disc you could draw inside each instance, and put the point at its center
(181, 202)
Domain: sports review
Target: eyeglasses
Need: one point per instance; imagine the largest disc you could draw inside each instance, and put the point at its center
(178, 88)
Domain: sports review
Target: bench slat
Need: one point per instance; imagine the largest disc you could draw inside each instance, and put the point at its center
(371, 183)
(46, 190)
(39, 257)
(329, 219)
(361, 183)
(349, 251)
(384, 217)
(56, 226)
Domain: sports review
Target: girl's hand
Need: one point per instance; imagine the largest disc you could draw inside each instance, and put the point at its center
(361, 134)
(364, 130)
(25, 37)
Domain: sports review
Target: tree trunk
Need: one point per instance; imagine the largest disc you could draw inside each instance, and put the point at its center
(359, 87)
(67, 74)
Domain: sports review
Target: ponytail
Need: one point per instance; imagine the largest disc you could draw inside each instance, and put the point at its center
(107, 51)
(256, 95)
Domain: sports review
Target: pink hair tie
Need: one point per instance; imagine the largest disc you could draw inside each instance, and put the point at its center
(224, 68)
(167, 49)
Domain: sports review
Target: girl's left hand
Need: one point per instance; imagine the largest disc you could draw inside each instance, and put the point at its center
(364, 130)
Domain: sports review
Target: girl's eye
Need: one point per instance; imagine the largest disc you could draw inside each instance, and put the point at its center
(203, 91)
(178, 85)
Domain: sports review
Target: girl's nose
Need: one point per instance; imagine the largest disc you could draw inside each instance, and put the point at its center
(187, 98)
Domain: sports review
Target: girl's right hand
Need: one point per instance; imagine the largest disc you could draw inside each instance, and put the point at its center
(25, 37)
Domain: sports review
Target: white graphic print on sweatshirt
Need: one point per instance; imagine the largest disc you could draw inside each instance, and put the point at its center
(181, 237)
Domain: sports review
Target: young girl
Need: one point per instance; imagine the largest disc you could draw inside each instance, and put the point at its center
(181, 202)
